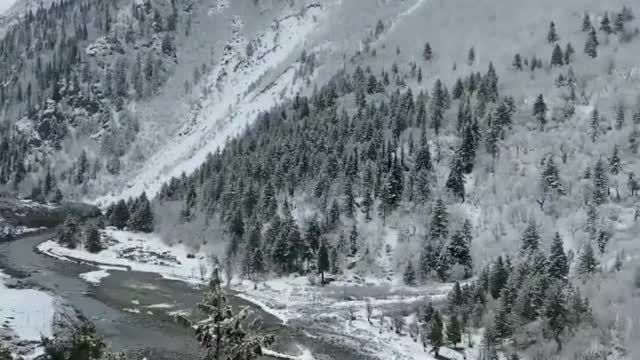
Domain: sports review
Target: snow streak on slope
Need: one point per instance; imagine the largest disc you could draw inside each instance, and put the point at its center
(232, 99)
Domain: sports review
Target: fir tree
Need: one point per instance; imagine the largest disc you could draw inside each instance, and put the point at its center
(439, 225)
(591, 46)
(557, 58)
(614, 161)
(556, 313)
(586, 23)
(568, 54)
(517, 62)
(142, 218)
(471, 56)
(120, 216)
(595, 125)
(454, 331)
(619, 117)
(552, 35)
(435, 336)
(530, 241)
(540, 110)
(618, 23)
(427, 53)
(502, 321)
(600, 183)
(550, 177)
(353, 240)
(312, 235)
(323, 261)
(558, 261)
(605, 24)
(409, 276)
(459, 252)
(587, 262)
(632, 184)
(455, 181)
(498, 277)
(92, 239)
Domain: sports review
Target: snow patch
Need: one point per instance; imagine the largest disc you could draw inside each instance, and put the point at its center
(94, 277)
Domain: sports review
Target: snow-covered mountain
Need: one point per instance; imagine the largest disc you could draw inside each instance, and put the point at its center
(406, 126)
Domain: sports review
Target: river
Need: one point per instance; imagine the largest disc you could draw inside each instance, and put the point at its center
(119, 306)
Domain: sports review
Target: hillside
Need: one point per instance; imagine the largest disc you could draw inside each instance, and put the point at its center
(488, 146)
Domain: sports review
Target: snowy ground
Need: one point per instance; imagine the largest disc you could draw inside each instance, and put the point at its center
(26, 315)
(296, 300)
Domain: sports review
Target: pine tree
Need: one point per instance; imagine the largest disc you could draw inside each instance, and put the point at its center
(455, 181)
(605, 24)
(556, 312)
(517, 62)
(595, 125)
(439, 225)
(409, 276)
(552, 35)
(568, 54)
(632, 184)
(600, 183)
(619, 117)
(312, 235)
(454, 331)
(349, 202)
(540, 110)
(558, 261)
(587, 262)
(591, 46)
(586, 23)
(498, 277)
(557, 58)
(437, 106)
(459, 252)
(92, 239)
(428, 261)
(280, 253)
(618, 23)
(530, 241)
(427, 53)
(226, 333)
(435, 336)
(323, 261)
(471, 56)
(120, 215)
(142, 218)
(550, 177)
(353, 240)
(614, 161)
(502, 321)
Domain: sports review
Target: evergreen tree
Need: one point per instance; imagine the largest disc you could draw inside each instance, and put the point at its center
(435, 336)
(552, 35)
(586, 23)
(437, 106)
(614, 161)
(540, 111)
(439, 225)
(557, 58)
(605, 24)
(618, 23)
(517, 62)
(502, 321)
(530, 242)
(619, 117)
(556, 312)
(353, 240)
(587, 262)
(455, 181)
(591, 46)
(632, 184)
(600, 183)
(323, 261)
(471, 56)
(409, 276)
(459, 252)
(92, 239)
(558, 261)
(427, 53)
(312, 235)
(550, 177)
(595, 125)
(498, 277)
(454, 331)
(568, 54)
(142, 218)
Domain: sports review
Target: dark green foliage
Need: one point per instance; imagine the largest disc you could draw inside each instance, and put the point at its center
(558, 261)
(323, 260)
(92, 241)
(435, 335)
(557, 58)
(454, 331)
(141, 218)
(68, 233)
(552, 35)
(540, 110)
(439, 225)
(120, 215)
(409, 276)
(591, 46)
(587, 262)
(83, 343)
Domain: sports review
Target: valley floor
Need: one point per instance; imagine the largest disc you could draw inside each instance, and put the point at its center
(337, 311)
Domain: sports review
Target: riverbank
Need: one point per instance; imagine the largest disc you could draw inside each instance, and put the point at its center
(337, 313)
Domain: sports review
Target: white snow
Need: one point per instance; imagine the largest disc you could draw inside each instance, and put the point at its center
(139, 252)
(230, 102)
(94, 277)
(27, 313)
